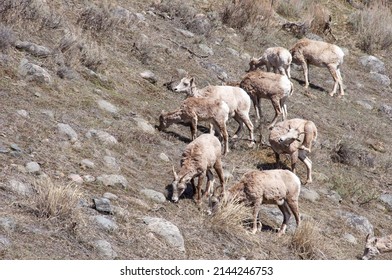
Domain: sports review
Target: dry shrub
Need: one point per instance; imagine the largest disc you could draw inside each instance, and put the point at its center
(7, 37)
(92, 56)
(242, 13)
(229, 216)
(176, 8)
(57, 202)
(373, 27)
(97, 18)
(306, 241)
(320, 17)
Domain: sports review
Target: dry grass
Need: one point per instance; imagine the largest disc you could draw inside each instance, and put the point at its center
(230, 216)
(7, 37)
(58, 203)
(373, 27)
(306, 241)
(241, 13)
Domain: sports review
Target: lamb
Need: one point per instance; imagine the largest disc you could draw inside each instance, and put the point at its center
(280, 187)
(277, 58)
(276, 87)
(294, 137)
(199, 157)
(194, 109)
(377, 245)
(238, 100)
(321, 54)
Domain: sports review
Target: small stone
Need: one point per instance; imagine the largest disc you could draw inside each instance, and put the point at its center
(76, 179)
(33, 167)
(86, 163)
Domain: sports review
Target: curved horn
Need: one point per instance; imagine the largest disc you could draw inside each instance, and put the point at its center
(175, 174)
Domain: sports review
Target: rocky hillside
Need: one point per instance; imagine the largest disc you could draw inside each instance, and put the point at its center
(85, 174)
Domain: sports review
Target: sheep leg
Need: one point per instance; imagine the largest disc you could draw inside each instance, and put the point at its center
(210, 183)
(293, 205)
(308, 138)
(194, 127)
(223, 129)
(284, 208)
(294, 159)
(256, 211)
(198, 188)
(308, 164)
(244, 117)
(340, 81)
(332, 70)
(282, 70)
(306, 73)
(219, 170)
(238, 119)
(287, 70)
(276, 104)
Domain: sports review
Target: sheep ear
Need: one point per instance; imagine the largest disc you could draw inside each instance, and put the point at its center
(374, 241)
(367, 237)
(191, 81)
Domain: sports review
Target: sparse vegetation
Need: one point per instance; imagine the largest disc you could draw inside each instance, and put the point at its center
(104, 46)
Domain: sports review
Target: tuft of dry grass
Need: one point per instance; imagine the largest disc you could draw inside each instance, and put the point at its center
(97, 18)
(241, 13)
(373, 27)
(229, 216)
(306, 241)
(7, 37)
(56, 202)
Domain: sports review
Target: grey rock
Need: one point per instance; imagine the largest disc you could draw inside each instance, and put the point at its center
(380, 79)
(33, 72)
(206, 49)
(77, 179)
(107, 106)
(164, 157)
(103, 137)
(185, 33)
(149, 76)
(387, 199)
(105, 249)
(365, 104)
(111, 163)
(23, 113)
(145, 126)
(386, 109)
(110, 196)
(113, 180)
(154, 195)
(68, 131)
(7, 224)
(168, 231)
(105, 223)
(103, 205)
(309, 194)
(33, 167)
(360, 223)
(86, 163)
(88, 178)
(349, 238)
(4, 242)
(19, 188)
(372, 64)
(33, 49)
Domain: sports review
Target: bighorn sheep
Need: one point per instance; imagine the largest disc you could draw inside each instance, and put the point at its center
(199, 157)
(277, 58)
(321, 54)
(276, 87)
(238, 100)
(194, 109)
(294, 137)
(377, 245)
(280, 187)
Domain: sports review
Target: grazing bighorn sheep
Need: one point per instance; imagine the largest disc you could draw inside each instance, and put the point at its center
(321, 54)
(280, 187)
(276, 87)
(194, 109)
(377, 245)
(238, 100)
(294, 137)
(199, 157)
(276, 58)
